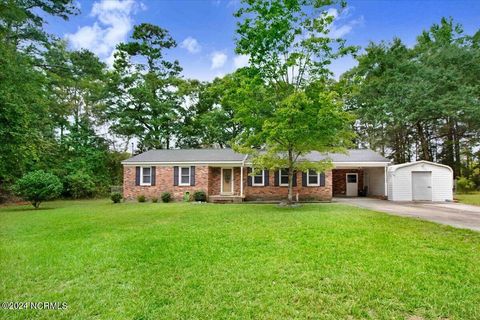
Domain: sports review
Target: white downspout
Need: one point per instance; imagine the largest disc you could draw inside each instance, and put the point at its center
(241, 175)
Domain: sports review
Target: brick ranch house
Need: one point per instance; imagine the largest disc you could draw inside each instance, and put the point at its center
(225, 176)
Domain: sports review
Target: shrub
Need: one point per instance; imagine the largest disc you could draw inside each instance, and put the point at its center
(200, 196)
(166, 197)
(141, 198)
(154, 200)
(38, 186)
(80, 185)
(116, 197)
(465, 185)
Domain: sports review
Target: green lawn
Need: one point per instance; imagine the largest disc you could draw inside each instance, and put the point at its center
(470, 198)
(163, 261)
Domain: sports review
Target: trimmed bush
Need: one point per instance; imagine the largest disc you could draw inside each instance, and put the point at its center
(154, 200)
(166, 197)
(80, 185)
(116, 197)
(141, 198)
(200, 196)
(465, 185)
(38, 186)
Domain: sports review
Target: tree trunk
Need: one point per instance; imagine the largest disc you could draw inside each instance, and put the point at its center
(448, 146)
(290, 177)
(456, 151)
(423, 143)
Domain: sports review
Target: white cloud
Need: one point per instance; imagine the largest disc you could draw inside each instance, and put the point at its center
(191, 44)
(113, 23)
(240, 61)
(218, 59)
(342, 24)
(339, 31)
(332, 12)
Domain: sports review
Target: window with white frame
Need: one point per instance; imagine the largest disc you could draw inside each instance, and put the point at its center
(146, 176)
(313, 178)
(283, 177)
(184, 176)
(259, 178)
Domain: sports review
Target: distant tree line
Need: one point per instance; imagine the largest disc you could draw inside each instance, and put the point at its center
(66, 112)
(421, 102)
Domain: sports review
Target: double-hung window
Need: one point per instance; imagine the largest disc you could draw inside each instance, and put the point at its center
(313, 178)
(184, 176)
(146, 176)
(259, 178)
(283, 177)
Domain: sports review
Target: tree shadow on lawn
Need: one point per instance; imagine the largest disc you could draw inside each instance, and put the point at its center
(25, 207)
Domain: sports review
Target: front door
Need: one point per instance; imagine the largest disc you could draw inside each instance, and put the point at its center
(352, 185)
(422, 186)
(227, 181)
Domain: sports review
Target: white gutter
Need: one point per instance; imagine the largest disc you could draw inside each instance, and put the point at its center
(185, 163)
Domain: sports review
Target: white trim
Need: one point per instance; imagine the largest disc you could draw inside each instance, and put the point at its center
(397, 166)
(180, 176)
(233, 181)
(239, 163)
(182, 163)
(313, 184)
(141, 176)
(359, 164)
(262, 184)
(280, 184)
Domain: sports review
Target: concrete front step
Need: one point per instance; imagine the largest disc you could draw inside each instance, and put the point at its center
(225, 199)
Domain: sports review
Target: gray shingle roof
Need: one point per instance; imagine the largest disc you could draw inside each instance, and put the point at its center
(228, 155)
(353, 155)
(187, 155)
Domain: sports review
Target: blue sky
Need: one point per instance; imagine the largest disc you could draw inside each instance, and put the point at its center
(205, 29)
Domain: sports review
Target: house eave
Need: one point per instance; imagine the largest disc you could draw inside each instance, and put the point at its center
(242, 163)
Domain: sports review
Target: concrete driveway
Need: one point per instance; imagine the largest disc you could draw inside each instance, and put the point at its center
(452, 214)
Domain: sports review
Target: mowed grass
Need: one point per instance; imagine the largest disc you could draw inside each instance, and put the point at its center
(164, 261)
(469, 198)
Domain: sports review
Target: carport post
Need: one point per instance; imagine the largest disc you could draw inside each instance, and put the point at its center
(385, 178)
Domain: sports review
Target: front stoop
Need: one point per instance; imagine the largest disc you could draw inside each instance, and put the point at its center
(225, 199)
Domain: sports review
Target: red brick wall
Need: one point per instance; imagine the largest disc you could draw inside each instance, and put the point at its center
(215, 181)
(272, 192)
(208, 179)
(164, 182)
(340, 180)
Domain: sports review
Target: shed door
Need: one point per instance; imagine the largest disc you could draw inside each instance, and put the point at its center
(422, 185)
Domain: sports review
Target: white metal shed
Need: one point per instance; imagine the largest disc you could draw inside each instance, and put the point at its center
(420, 181)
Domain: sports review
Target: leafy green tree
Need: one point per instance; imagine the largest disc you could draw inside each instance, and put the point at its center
(450, 60)
(421, 102)
(144, 87)
(26, 128)
(79, 185)
(287, 107)
(23, 21)
(38, 186)
(209, 120)
(25, 131)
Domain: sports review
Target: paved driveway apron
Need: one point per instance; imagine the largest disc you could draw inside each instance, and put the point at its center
(452, 214)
